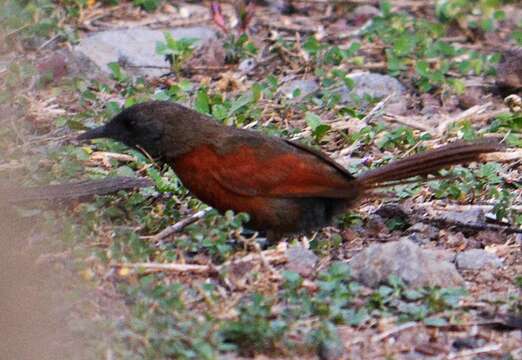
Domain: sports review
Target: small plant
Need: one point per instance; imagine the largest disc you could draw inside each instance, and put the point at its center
(238, 111)
(254, 330)
(176, 51)
(238, 47)
(412, 45)
(319, 129)
(148, 5)
(473, 14)
(237, 44)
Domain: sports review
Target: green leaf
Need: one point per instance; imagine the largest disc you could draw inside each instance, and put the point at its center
(413, 294)
(242, 101)
(125, 171)
(318, 128)
(202, 102)
(313, 120)
(292, 279)
(112, 108)
(405, 44)
(220, 112)
(517, 35)
(161, 48)
(311, 46)
(117, 73)
(435, 322)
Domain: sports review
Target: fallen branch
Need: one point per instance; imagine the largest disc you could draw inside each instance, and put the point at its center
(442, 221)
(502, 156)
(70, 191)
(392, 331)
(472, 352)
(377, 109)
(475, 114)
(444, 206)
(271, 256)
(414, 122)
(470, 113)
(170, 267)
(180, 225)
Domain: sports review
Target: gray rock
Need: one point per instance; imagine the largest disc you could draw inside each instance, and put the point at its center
(135, 47)
(429, 231)
(476, 259)
(421, 233)
(78, 64)
(403, 258)
(442, 254)
(472, 216)
(417, 238)
(301, 260)
(305, 86)
(376, 86)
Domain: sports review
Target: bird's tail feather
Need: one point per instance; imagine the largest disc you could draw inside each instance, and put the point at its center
(429, 162)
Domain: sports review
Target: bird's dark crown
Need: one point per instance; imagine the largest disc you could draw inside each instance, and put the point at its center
(139, 126)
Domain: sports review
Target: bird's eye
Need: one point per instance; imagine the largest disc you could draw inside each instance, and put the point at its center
(129, 124)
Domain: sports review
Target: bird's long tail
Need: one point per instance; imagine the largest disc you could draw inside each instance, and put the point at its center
(429, 162)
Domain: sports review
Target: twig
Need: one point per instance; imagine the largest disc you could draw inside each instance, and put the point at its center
(413, 122)
(475, 113)
(46, 43)
(105, 157)
(171, 267)
(11, 33)
(481, 350)
(471, 226)
(13, 165)
(392, 331)
(502, 156)
(180, 225)
(272, 256)
(376, 109)
(442, 206)
(469, 113)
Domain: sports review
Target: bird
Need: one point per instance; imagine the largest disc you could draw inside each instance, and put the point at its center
(285, 187)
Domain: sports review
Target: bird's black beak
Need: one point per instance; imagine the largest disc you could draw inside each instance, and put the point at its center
(96, 133)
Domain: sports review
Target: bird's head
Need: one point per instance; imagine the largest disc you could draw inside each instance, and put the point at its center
(139, 126)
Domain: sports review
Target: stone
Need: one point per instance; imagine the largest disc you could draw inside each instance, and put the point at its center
(306, 87)
(417, 238)
(442, 254)
(135, 47)
(301, 260)
(406, 260)
(429, 232)
(471, 216)
(476, 259)
(376, 86)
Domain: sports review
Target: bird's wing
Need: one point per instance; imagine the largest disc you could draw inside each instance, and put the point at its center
(323, 157)
(277, 168)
